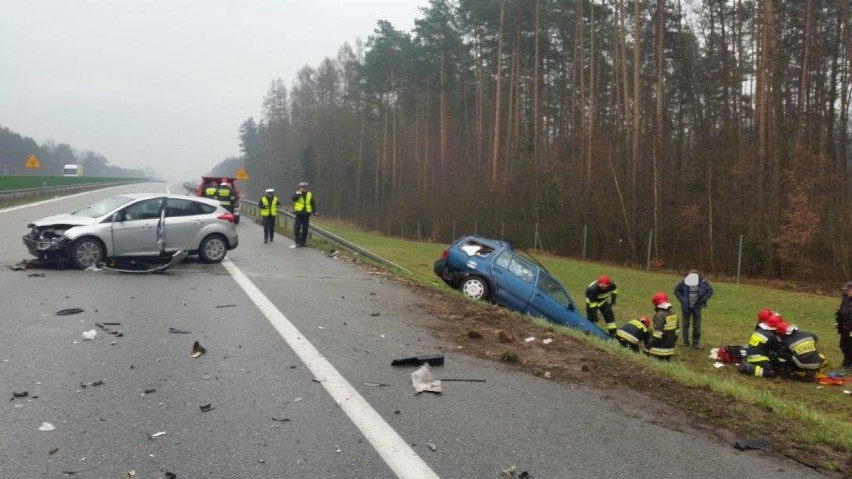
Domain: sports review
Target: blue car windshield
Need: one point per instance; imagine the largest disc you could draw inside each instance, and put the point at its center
(96, 210)
(552, 288)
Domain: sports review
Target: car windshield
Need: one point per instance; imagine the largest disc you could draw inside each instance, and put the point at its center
(103, 207)
(552, 288)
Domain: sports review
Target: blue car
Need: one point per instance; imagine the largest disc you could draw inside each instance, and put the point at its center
(491, 270)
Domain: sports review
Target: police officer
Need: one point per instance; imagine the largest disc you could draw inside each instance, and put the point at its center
(303, 207)
(844, 325)
(763, 346)
(601, 295)
(665, 327)
(225, 195)
(634, 332)
(268, 205)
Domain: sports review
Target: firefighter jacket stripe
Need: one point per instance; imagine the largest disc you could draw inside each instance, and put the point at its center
(664, 335)
(596, 296)
(633, 332)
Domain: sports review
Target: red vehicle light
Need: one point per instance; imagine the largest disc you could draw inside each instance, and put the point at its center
(226, 216)
(445, 254)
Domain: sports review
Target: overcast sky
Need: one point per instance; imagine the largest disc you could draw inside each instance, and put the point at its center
(165, 83)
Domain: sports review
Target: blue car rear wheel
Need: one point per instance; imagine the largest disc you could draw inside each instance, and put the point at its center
(474, 287)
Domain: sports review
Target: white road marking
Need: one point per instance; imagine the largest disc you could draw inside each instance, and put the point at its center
(398, 455)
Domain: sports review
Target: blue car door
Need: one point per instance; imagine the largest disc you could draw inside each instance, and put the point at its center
(514, 278)
(553, 302)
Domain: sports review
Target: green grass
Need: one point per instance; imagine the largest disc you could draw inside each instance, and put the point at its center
(21, 182)
(728, 320)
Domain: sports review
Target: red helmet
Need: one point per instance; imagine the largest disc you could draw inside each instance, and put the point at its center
(659, 298)
(604, 280)
(783, 328)
(644, 320)
(764, 314)
(224, 183)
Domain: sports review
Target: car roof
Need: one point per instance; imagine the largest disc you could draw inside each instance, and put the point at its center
(141, 196)
(494, 243)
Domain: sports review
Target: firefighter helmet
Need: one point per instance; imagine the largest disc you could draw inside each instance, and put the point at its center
(644, 320)
(764, 314)
(604, 281)
(659, 298)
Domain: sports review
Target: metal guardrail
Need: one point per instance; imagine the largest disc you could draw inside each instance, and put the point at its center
(48, 190)
(250, 208)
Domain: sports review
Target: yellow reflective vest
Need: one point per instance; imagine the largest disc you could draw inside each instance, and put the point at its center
(303, 203)
(268, 208)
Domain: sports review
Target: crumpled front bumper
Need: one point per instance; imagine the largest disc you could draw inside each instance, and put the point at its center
(42, 247)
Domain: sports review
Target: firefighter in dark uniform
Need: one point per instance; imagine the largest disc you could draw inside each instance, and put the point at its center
(633, 333)
(665, 328)
(844, 326)
(799, 352)
(268, 206)
(225, 195)
(210, 191)
(763, 346)
(601, 295)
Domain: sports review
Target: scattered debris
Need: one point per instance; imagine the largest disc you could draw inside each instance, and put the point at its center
(131, 474)
(46, 426)
(432, 446)
(509, 472)
(547, 375)
(525, 475)
(110, 324)
(461, 380)
(423, 380)
(197, 350)
(227, 306)
(179, 331)
(375, 314)
(156, 434)
(92, 384)
(149, 391)
(547, 341)
(22, 266)
(281, 419)
(53, 451)
(138, 267)
(333, 253)
(530, 339)
(206, 407)
(375, 385)
(431, 360)
(90, 334)
(21, 394)
(171, 475)
(760, 443)
(36, 275)
(69, 311)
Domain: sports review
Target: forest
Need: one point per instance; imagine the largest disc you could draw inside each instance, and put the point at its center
(709, 134)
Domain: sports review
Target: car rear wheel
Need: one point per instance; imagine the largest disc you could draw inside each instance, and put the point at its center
(213, 249)
(474, 287)
(85, 252)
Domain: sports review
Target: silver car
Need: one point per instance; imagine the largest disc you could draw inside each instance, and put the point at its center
(135, 225)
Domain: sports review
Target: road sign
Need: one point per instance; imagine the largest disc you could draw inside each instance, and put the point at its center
(32, 162)
(242, 174)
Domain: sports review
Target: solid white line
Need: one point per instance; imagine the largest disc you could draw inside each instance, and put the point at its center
(13, 208)
(391, 447)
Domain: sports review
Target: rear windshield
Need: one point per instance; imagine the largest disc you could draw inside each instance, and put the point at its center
(103, 207)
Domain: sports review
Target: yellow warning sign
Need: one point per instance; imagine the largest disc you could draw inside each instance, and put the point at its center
(242, 174)
(32, 162)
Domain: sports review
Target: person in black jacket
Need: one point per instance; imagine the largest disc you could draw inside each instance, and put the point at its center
(634, 332)
(303, 207)
(844, 325)
(693, 292)
(665, 327)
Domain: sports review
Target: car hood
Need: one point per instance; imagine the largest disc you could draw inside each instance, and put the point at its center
(63, 219)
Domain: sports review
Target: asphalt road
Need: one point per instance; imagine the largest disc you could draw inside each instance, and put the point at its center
(297, 373)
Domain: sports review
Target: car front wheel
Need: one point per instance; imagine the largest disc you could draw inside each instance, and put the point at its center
(213, 249)
(85, 252)
(474, 287)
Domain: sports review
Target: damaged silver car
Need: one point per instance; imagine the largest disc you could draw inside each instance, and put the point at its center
(134, 226)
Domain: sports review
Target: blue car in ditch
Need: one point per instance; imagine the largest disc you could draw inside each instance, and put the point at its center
(491, 270)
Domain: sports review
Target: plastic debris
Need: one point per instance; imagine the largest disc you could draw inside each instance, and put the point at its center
(36, 275)
(530, 339)
(508, 472)
(197, 350)
(525, 475)
(90, 334)
(430, 359)
(171, 475)
(432, 446)
(547, 341)
(156, 434)
(753, 443)
(375, 385)
(21, 394)
(422, 380)
(92, 384)
(179, 331)
(227, 306)
(206, 407)
(149, 391)
(69, 311)
(46, 426)
(281, 419)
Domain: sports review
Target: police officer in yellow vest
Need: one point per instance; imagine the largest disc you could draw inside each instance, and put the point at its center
(303, 207)
(268, 205)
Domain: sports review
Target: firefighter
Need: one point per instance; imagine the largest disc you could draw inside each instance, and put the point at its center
(763, 346)
(601, 295)
(268, 206)
(210, 191)
(665, 328)
(225, 195)
(634, 332)
(799, 357)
